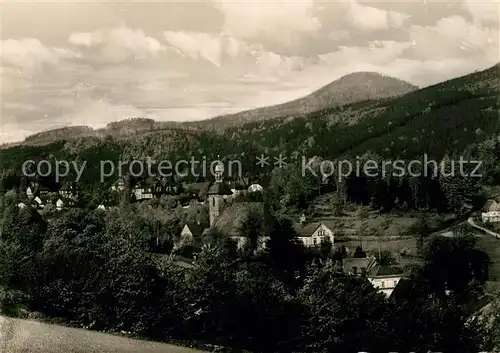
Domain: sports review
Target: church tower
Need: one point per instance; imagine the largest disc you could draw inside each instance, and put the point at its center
(217, 194)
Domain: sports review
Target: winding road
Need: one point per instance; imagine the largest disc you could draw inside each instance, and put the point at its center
(471, 222)
(24, 336)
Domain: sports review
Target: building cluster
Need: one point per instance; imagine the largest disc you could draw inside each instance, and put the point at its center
(39, 196)
(490, 213)
(229, 216)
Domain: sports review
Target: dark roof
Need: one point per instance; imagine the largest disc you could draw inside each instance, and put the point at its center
(220, 188)
(380, 271)
(307, 229)
(196, 229)
(488, 205)
(361, 263)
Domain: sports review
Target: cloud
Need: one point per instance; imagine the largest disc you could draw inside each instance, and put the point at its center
(368, 18)
(453, 37)
(197, 45)
(31, 54)
(483, 11)
(119, 44)
(278, 20)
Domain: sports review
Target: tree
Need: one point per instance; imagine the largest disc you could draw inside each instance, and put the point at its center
(337, 205)
(287, 255)
(421, 229)
(385, 258)
(251, 229)
(344, 313)
(454, 263)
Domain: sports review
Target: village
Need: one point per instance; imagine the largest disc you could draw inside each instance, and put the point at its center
(227, 205)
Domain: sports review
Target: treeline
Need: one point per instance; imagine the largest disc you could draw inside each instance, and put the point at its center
(92, 269)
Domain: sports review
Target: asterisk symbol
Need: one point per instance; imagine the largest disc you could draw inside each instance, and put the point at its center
(262, 161)
(280, 161)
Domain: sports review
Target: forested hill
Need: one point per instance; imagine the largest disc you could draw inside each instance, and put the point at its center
(443, 119)
(352, 88)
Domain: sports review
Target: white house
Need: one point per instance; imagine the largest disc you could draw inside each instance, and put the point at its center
(21, 205)
(313, 234)
(189, 232)
(385, 279)
(101, 207)
(29, 192)
(142, 191)
(490, 212)
(59, 205)
(39, 202)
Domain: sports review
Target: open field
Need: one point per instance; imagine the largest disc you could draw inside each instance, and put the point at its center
(23, 336)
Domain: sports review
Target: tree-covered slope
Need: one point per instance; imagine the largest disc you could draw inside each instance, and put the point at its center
(349, 89)
(443, 119)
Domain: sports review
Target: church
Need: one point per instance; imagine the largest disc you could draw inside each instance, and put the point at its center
(225, 214)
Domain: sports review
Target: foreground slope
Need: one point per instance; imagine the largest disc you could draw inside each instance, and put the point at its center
(23, 336)
(348, 89)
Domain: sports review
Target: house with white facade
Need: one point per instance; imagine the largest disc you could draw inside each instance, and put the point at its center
(490, 213)
(30, 192)
(189, 232)
(314, 233)
(38, 202)
(60, 204)
(143, 190)
(385, 278)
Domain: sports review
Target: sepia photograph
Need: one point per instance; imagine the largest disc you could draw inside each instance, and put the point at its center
(250, 176)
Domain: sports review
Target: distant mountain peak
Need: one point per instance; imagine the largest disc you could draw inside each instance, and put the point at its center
(348, 89)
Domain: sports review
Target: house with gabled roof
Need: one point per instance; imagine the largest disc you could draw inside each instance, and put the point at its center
(313, 233)
(490, 212)
(38, 203)
(30, 192)
(190, 231)
(385, 278)
(143, 189)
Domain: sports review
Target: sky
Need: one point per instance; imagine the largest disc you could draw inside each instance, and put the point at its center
(69, 63)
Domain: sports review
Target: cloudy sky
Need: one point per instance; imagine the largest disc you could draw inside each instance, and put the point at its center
(89, 63)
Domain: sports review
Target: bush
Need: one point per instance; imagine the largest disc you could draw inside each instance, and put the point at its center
(13, 303)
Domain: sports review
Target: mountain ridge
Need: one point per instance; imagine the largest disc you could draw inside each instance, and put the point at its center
(343, 91)
(348, 89)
